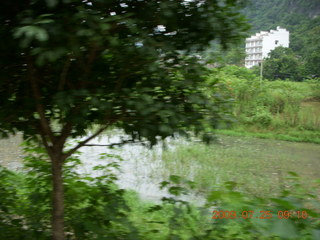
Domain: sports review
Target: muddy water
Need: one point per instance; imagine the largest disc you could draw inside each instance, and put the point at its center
(11, 152)
(140, 165)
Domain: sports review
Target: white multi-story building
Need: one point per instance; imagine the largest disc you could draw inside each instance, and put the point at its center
(258, 46)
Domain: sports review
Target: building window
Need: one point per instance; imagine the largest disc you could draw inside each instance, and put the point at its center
(276, 42)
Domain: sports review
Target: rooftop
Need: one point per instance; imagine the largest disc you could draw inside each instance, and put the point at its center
(258, 36)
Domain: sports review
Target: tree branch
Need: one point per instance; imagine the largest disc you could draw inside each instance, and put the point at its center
(112, 144)
(45, 142)
(65, 132)
(88, 67)
(63, 76)
(82, 143)
(44, 123)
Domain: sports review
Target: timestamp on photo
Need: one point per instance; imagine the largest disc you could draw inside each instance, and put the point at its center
(263, 214)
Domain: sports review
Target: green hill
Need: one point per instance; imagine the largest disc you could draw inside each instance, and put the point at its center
(300, 17)
(267, 14)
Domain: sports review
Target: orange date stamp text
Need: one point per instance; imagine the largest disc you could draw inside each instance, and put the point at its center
(249, 214)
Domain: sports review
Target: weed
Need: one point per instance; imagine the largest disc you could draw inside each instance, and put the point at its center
(280, 108)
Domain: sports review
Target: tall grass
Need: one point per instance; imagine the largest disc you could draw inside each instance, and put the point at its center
(258, 165)
(280, 107)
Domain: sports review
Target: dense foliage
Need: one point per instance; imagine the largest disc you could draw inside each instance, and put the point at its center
(279, 107)
(95, 62)
(97, 209)
(283, 64)
(68, 65)
(267, 14)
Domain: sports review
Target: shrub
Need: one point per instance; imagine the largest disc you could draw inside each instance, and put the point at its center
(276, 105)
(262, 117)
(266, 218)
(97, 209)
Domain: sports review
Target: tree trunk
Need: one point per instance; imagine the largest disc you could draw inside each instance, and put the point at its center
(57, 198)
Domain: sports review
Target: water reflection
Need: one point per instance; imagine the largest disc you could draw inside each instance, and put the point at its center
(140, 166)
(10, 153)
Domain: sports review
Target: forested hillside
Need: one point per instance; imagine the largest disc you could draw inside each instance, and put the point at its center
(300, 17)
(267, 14)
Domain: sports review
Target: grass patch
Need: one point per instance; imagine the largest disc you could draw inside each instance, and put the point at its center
(257, 165)
(283, 110)
(292, 135)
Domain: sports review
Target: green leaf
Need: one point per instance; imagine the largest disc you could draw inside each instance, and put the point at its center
(52, 3)
(31, 32)
(154, 209)
(164, 184)
(175, 179)
(177, 191)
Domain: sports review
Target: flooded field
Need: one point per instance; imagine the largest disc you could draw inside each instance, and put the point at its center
(258, 164)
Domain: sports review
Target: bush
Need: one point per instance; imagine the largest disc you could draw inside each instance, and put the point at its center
(266, 218)
(94, 207)
(262, 117)
(97, 209)
(270, 105)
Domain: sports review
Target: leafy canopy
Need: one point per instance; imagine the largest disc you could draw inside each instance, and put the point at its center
(68, 65)
(283, 64)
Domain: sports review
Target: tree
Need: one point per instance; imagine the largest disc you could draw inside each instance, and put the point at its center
(312, 53)
(283, 64)
(69, 65)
